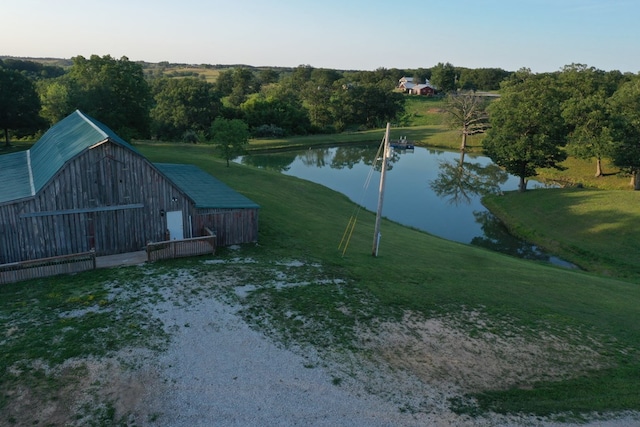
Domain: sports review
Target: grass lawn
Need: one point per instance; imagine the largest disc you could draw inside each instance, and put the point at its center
(422, 111)
(596, 229)
(415, 273)
(582, 172)
(421, 273)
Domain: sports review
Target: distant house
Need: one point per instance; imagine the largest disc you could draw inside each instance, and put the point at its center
(81, 187)
(406, 84)
(425, 89)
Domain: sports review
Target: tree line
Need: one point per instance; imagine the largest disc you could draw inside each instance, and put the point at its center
(274, 102)
(540, 119)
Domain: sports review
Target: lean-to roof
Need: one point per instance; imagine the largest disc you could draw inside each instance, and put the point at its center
(205, 190)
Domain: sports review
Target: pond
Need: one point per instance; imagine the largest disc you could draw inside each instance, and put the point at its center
(432, 190)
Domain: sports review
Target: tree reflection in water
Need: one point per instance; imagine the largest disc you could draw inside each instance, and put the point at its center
(440, 197)
(279, 162)
(348, 157)
(462, 181)
(497, 238)
(336, 158)
(318, 157)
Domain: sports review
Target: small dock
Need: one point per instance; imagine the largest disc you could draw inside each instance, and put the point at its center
(402, 144)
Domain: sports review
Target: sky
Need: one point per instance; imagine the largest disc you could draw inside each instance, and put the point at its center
(542, 35)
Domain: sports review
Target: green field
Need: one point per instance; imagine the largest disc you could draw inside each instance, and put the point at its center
(209, 74)
(481, 293)
(421, 273)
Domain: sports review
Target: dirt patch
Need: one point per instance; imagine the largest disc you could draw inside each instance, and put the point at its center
(78, 392)
(439, 352)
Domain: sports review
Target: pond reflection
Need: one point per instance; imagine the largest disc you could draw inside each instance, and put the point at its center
(280, 162)
(460, 181)
(432, 190)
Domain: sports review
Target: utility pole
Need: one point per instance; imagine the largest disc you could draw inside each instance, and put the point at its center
(385, 158)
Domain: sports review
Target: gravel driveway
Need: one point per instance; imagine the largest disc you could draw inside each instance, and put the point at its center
(220, 372)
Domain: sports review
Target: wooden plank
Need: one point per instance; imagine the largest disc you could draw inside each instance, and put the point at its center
(84, 210)
(45, 267)
(180, 248)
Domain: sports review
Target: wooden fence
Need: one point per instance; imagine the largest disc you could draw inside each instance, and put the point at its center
(45, 267)
(181, 248)
(75, 263)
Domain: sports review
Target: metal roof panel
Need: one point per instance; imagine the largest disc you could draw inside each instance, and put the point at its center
(15, 177)
(61, 143)
(28, 172)
(205, 190)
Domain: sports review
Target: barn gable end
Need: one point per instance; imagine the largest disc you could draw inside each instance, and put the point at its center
(81, 187)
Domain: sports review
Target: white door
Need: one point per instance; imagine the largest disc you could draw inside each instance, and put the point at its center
(174, 225)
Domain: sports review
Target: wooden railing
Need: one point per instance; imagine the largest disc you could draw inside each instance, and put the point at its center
(181, 248)
(45, 267)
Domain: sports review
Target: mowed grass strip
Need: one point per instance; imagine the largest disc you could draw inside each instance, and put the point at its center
(595, 229)
(581, 172)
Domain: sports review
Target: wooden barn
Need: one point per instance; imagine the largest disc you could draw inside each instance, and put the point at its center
(81, 187)
(423, 89)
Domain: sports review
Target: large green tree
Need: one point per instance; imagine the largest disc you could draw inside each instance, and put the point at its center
(625, 108)
(284, 113)
(183, 105)
(366, 105)
(245, 83)
(55, 99)
(19, 103)
(230, 137)
(113, 91)
(444, 77)
(527, 131)
(586, 113)
(419, 75)
(316, 96)
(299, 77)
(268, 76)
(482, 78)
(224, 82)
(317, 100)
(590, 136)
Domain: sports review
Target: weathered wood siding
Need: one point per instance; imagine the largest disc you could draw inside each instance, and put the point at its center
(108, 198)
(232, 226)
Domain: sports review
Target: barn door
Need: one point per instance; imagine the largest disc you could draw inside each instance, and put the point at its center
(174, 225)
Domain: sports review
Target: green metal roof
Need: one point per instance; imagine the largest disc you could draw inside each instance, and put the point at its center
(65, 140)
(24, 174)
(16, 181)
(205, 190)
